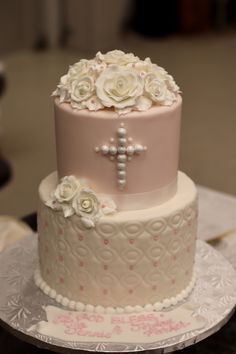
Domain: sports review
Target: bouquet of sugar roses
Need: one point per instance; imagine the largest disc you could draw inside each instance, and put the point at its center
(116, 80)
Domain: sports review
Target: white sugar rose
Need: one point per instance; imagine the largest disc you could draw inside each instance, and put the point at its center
(156, 89)
(171, 84)
(143, 103)
(116, 80)
(96, 66)
(81, 68)
(93, 104)
(86, 203)
(145, 67)
(67, 189)
(117, 57)
(108, 206)
(62, 89)
(82, 89)
(119, 87)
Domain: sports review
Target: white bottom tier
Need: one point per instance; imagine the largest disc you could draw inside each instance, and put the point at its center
(130, 260)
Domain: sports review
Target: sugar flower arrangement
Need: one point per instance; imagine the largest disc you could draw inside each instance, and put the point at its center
(73, 196)
(116, 80)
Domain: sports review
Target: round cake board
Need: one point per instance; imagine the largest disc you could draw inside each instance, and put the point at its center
(34, 317)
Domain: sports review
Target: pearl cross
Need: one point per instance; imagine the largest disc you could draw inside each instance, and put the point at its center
(121, 153)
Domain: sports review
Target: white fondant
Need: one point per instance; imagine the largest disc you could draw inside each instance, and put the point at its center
(152, 198)
(130, 258)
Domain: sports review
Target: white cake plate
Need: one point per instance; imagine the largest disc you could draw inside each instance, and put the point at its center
(22, 305)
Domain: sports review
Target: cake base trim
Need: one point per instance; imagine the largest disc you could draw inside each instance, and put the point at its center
(79, 306)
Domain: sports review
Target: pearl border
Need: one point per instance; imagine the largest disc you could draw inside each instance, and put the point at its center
(79, 306)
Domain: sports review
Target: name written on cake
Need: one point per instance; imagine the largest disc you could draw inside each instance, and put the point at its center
(142, 327)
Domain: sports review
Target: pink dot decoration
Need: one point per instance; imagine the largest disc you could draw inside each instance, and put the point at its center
(174, 258)
(131, 267)
(81, 288)
(131, 291)
(81, 237)
(105, 267)
(61, 279)
(105, 242)
(61, 258)
(81, 264)
(189, 223)
(154, 287)
(155, 264)
(104, 291)
(155, 238)
(131, 241)
(60, 231)
(173, 281)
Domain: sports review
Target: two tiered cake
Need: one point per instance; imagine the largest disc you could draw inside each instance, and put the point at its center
(117, 221)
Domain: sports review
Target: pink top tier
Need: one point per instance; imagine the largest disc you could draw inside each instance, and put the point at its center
(150, 176)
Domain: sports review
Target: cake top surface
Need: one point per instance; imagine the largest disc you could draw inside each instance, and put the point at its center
(116, 80)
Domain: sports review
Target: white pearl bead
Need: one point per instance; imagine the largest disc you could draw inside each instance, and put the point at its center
(130, 150)
(138, 148)
(122, 141)
(121, 166)
(121, 158)
(121, 174)
(113, 150)
(121, 183)
(121, 149)
(105, 149)
(121, 132)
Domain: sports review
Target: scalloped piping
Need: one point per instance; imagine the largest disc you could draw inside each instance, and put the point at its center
(79, 306)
